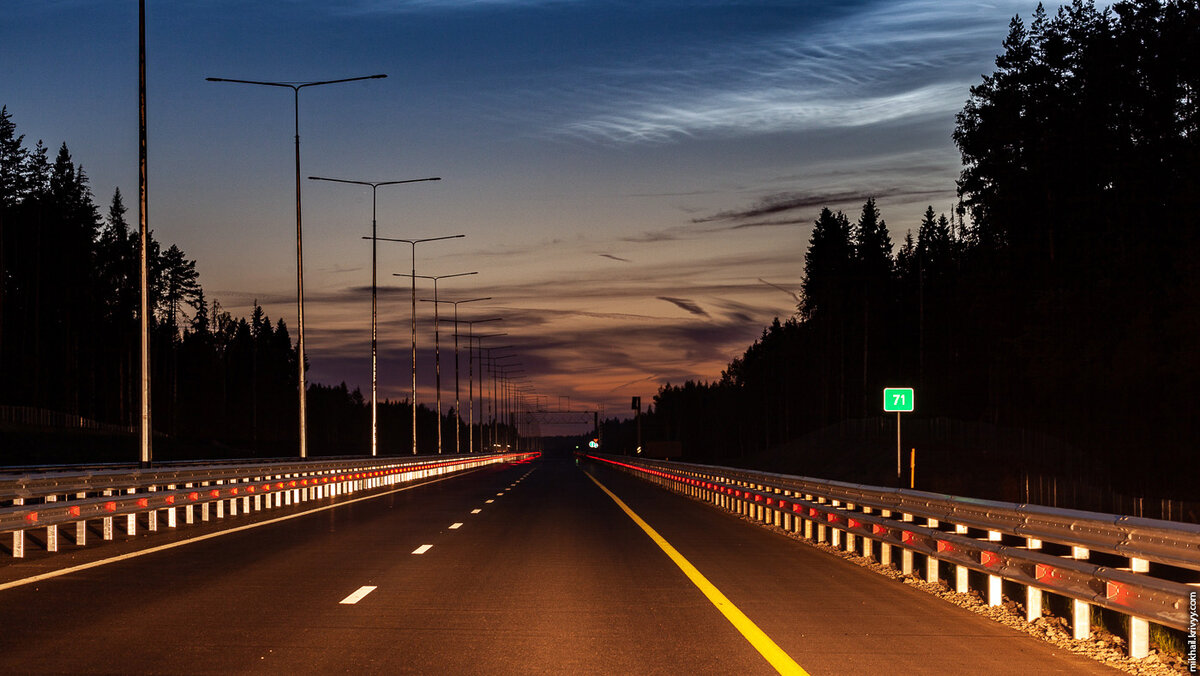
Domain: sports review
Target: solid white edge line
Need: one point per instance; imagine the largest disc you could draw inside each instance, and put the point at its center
(422, 549)
(172, 545)
(357, 596)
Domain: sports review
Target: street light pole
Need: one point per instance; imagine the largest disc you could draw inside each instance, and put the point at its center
(471, 376)
(437, 354)
(374, 367)
(457, 410)
(143, 231)
(296, 87)
(414, 243)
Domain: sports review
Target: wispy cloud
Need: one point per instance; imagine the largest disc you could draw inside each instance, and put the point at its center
(877, 63)
(685, 304)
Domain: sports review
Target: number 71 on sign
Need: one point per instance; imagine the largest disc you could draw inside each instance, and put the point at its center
(898, 400)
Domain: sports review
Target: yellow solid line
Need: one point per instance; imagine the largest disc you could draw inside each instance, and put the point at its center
(782, 662)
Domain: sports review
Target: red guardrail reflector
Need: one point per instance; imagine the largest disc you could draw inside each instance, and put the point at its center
(853, 523)
(250, 488)
(1117, 593)
(233, 491)
(31, 517)
(812, 511)
(878, 530)
(292, 483)
(1043, 573)
(73, 510)
(907, 537)
(110, 506)
(170, 499)
(783, 504)
(796, 507)
(143, 502)
(280, 485)
(831, 517)
(266, 487)
(989, 559)
(304, 482)
(943, 546)
(215, 493)
(193, 496)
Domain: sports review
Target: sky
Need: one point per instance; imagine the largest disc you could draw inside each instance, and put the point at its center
(636, 180)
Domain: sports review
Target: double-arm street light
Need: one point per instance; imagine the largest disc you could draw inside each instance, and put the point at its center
(413, 243)
(437, 357)
(457, 411)
(296, 87)
(374, 185)
(471, 337)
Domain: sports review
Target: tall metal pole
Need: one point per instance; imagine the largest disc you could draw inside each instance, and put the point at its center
(374, 185)
(437, 353)
(471, 377)
(457, 403)
(413, 243)
(143, 229)
(296, 87)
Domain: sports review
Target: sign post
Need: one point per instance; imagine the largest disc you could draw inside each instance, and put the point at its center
(898, 400)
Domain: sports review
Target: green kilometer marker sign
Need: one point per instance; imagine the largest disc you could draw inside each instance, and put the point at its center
(898, 400)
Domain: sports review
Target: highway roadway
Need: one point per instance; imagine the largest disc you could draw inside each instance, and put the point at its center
(511, 569)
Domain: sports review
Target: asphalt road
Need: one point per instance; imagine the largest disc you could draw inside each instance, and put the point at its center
(549, 576)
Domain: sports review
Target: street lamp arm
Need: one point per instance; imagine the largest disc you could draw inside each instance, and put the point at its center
(378, 76)
(373, 184)
(417, 241)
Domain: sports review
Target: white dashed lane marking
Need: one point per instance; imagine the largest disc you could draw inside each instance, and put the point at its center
(422, 549)
(357, 596)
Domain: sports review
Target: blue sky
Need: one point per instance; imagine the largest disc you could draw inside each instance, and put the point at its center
(609, 162)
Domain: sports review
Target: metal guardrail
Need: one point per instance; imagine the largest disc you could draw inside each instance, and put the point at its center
(49, 500)
(1004, 541)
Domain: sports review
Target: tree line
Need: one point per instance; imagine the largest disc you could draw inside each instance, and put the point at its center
(69, 332)
(1060, 295)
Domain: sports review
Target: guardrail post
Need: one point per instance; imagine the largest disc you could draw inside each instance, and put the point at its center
(777, 517)
(931, 562)
(81, 526)
(18, 537)
(220, 504)
(1033, 595)
(962, 583)
(849, 535)
(1139, 629)
(171, 513)
(995, 583)
(131, 519)
(189, 512)
(885, 549)
(107, 529)
(786, 518)
(152, 515)
(906, 555)
(836, 535)
(258, 497)
(52, 530)
(1081, 612)
(204, 505)
(821, 527)
(867, 543)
